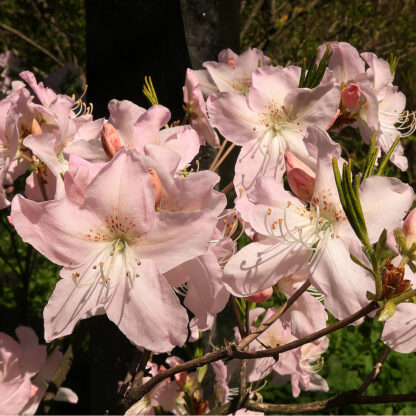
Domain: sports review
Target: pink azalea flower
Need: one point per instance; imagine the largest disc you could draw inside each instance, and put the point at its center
(25, 372)
(114, 247)
(138, 128)
(271, 120)
(296, 232)
(387, 117)
(18, 363)
(371, 100)
(196, 108)
(232, 72)
(300, 365)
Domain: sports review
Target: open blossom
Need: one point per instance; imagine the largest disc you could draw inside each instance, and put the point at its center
(114, 247)
(18, 363)
(300, 365)
(137, 128)
(296, 232)
(370, 101)
(232, 72)
(43, 129)
(25, 371)
(200, 278)
(271, 120)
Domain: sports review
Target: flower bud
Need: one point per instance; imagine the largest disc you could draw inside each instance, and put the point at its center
(300, 177)
(261, 296)
(387, 311)
(157, 186)
(350, 96)
(36, 129)
(409, 228)
(110, 140)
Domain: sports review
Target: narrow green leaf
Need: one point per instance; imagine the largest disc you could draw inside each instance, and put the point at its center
(371, 157)
(356, 261)
(338, 182)
(381, 245)
(387, 157)
(354, 205)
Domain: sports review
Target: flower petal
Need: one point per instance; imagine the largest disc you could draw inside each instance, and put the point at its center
(148, 313)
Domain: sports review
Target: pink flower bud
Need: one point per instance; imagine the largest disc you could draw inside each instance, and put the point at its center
(350, 96)
(36, 129)
(110, 140)
(10, 219)
(409, 227)
(301, 178)
(157, 186)
(261, 296)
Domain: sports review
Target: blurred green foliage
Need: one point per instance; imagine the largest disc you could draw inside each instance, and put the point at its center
(56, 26)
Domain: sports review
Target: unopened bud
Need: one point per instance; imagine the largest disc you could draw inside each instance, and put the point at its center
(388, 311)
(110, 140)
(409, 228)
(350, 96)
(301, 178)
(261, 296)
(157, 186)
(10, 219)
(36, 129)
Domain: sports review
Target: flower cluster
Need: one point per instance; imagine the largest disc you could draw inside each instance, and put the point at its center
(148, 241)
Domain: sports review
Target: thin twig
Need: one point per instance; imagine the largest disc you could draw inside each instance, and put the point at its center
(247, 317)
(237, 317)
(136, 372)
(224, 156)
(272, 352)
(32, 42)
(335, 401)
(234, 351)
(253, 14)
(142, 367)
(376, 370)
(251, 337)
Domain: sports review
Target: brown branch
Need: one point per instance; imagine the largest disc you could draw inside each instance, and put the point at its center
(247, 317)
(136, 370)
(32, 42)
(271, 352)
(240, 326)
(335, 401)
(376, 370)
(251, 337)
(136, 393)
(233, 351)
